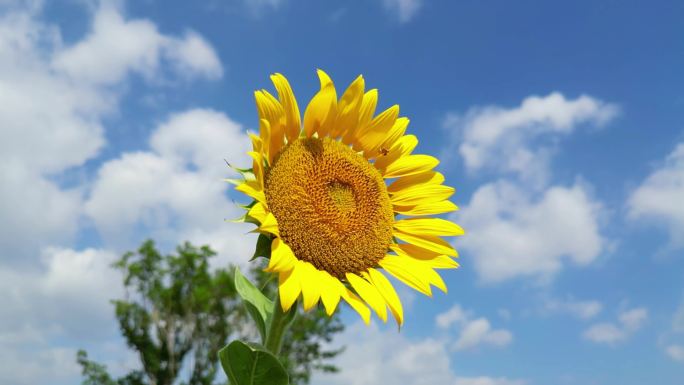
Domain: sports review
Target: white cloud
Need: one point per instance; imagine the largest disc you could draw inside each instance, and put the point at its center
(472, 332)
(507, 140)
(659, 197)
(629, 322)
(487, 381)
(676, 352)
(52, 103)
(404, 10)
(175, 190)
(388, 357)
(580, 309)
(678, 319)
(511, 234)
(70, 294)
(47, 311)
(53, 100)
(117, 47)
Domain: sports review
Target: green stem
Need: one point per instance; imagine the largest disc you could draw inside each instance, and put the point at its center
(279, 323)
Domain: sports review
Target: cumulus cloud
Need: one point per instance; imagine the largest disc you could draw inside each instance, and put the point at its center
(404, 10)
(522, 224)
(388, 357)
(487, 381)
(628, 323)
(676, 352)
(174, 191)
(514, 233)
(66, 299)
(517, 140)
(53, 99)
(580, 309)
(672, 338)
(116, 47)
(659, 197)
(472, 332)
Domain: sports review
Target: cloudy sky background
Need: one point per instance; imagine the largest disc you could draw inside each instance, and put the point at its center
(559, 123)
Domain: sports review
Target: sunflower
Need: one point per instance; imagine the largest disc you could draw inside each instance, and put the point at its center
(342, 198)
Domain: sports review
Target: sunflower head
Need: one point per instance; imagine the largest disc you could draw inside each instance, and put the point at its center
(343, 200)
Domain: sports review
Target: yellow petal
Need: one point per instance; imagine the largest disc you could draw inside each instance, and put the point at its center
(289, 287)
(403, 272)
(265, 132)
(258, 212)
(369, 294)
(271, 122)
(356, 304)
(368, 104)
(330, 291)
(410, 165)
(428, 226)
(348, 109)
(256, 142)
(401, 147)
(311, 290)
(320, 114)
(387, 291)
(441, 262)
(282, 257)
(287, 99)
(257, 167)
(428, 242)
(377, 131)
(430, 177)
(421, 194)
(253, 190)
(269, 225)
(414, 251)
(430, 208)
(419, 269)
(397, 131)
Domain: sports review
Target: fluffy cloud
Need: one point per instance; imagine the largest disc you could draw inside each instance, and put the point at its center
(174, 191)
(52, 102)
(387, 357)
(674, 349)
(473, 332)
(512, 234)
(659, 197)
(404, 10)
(580, 309)
(116, 47)
(501, 139)
(629, 322)
(65, 301)
(487, 381)
(676, 352)
(521, 224)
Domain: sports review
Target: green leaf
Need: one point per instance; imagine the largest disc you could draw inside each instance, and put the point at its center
(258, 306)
(250, 364)
(263, 247)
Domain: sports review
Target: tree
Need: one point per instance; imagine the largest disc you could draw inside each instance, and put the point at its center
(177, 308)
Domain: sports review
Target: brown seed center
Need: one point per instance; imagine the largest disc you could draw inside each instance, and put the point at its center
(331, 204)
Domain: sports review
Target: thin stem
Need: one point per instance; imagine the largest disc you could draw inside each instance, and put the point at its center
(279, 323)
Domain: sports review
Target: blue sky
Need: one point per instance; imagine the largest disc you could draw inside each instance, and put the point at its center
(559, 123)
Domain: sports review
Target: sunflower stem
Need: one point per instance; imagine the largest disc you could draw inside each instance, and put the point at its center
(278, 326)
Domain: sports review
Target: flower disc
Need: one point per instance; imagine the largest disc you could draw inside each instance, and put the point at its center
(332, 206)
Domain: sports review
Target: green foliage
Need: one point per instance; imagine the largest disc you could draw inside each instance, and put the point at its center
(258, 306)
(251, 364)
(96, 374)
(303, 349)
(177, 311)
